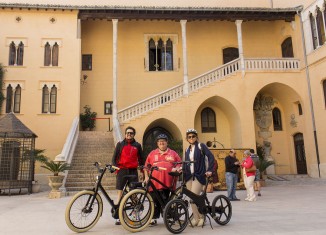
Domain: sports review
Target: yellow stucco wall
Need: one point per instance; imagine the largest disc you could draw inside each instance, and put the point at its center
(35, 27)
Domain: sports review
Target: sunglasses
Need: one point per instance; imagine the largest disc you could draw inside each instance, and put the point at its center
(130, 133)
(191, 136)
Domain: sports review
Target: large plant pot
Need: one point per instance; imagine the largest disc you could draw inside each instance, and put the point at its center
(56, 182)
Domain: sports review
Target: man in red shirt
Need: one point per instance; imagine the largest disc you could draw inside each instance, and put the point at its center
(127, 156)
(162, 157)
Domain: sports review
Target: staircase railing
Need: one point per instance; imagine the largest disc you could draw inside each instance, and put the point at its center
(272, 64)
(176, 92)
(69, 148)
(153, 102)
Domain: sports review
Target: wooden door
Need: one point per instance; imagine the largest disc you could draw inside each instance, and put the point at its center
(300, 154)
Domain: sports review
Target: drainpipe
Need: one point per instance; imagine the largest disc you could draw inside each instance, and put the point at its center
(309, 92)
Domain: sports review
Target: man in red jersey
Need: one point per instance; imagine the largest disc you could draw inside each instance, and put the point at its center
(162, 157)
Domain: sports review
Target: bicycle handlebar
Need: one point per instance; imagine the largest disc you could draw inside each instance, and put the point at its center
(108, 166)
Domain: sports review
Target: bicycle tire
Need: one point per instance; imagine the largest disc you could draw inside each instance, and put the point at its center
(221, 210)
(135, 216)
(77, 218)
(176, 216)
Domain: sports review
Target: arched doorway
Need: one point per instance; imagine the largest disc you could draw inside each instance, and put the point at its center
(300, 155)
(149, 143)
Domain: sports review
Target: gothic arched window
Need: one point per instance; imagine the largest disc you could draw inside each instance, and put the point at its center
(313, 31)
(20, 53)
(45, 99)
(287, 48)
(277, 119)
(9, 99)
(53, 99)
(12, 53)
(17, 99)
(320, 27)
(47, 54)
(55, 54)
(208, 120)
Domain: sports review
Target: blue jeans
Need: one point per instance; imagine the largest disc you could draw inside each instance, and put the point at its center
(231, 184)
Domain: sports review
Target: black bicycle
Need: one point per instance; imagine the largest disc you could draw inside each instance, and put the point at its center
(176, 214)
(137, 207)
(86, 207)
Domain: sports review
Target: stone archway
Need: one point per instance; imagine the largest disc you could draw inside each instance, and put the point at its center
(228, 131)
(162, 126)
(277, 142)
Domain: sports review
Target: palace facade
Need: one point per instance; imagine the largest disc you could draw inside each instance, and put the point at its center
(240, 72)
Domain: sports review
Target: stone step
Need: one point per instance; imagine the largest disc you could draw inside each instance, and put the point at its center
(92, 146)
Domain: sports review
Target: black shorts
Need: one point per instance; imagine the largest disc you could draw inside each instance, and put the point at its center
(121, 180)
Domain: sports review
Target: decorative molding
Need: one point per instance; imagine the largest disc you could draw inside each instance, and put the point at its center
(16, 40)
(165, 37)
(51, 41)
(293, 122)
(18, 19)
(53, 20)
(49, 84)
(14, 84)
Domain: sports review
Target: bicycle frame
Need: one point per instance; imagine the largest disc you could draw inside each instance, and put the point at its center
(201, 200)
(98, 186)
(156, 191)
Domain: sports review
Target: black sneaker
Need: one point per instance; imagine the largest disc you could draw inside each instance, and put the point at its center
(153, 222)
(117, 222)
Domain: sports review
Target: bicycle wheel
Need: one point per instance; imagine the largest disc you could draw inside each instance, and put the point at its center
(80, 215)
(176, 216)
(221, 210)
(136, 210)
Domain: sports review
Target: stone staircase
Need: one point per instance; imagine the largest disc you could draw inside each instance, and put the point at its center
(91, 146)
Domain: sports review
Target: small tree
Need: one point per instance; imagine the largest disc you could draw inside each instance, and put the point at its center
(87, 119)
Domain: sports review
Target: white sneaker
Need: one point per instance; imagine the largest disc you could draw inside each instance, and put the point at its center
(193, 222)
(201, 222)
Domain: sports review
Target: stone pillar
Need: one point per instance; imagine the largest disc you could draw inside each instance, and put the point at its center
(116, 125)
(263, 115)
(240, 46)
(184, 54)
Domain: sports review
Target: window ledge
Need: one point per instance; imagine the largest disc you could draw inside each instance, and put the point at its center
(48, 114)
(15, 66)
(51, 67)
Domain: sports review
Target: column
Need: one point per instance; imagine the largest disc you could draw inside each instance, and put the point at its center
(116, 125)
(184, 54)
(239, 34)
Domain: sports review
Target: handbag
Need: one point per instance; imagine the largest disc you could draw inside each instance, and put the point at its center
(251, 169)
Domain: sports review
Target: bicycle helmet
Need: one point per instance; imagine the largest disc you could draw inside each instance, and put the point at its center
(162, 136)
(193, 131)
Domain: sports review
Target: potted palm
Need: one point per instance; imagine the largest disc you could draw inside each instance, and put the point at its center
(56, 180)
(262, 164)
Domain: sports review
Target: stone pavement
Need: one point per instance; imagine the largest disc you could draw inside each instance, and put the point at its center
(291, 207)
